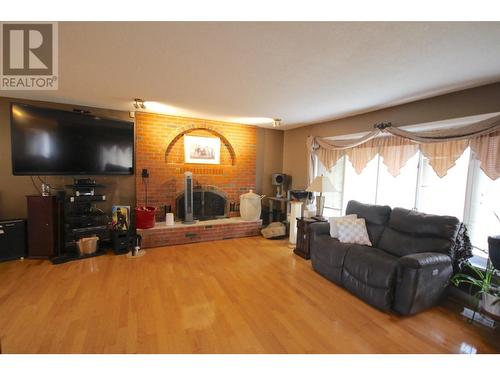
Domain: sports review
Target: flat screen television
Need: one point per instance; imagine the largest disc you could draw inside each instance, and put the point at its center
(54, 142)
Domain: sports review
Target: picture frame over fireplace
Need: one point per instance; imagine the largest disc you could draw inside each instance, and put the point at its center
(201, 150)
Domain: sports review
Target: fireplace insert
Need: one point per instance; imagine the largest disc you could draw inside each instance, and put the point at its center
(207, 205)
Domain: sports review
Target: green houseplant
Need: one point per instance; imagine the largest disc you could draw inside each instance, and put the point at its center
(488, 294)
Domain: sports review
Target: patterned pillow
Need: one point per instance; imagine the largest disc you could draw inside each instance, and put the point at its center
(353, 231)
(333, 223)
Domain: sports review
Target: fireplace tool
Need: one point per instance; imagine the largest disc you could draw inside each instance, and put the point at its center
(136, 251)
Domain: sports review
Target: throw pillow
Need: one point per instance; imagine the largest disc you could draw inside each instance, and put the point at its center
(333, 223)
(353, 231)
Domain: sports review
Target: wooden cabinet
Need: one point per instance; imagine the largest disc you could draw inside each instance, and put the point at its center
(43, 226)
(303, 237)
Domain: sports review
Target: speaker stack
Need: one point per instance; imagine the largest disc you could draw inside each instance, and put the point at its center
(280, 180)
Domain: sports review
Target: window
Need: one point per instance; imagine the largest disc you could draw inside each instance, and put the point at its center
(465, 192)
(446, 195)
(361, 187)
(333, 201)
(484, 208)
(398, 191)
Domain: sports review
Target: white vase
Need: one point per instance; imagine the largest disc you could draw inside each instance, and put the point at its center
(250, 206)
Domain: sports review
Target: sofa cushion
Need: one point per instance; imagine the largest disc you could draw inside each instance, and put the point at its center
(353, 231)
(376, 218)
(410, 232)
(334, 233)
(401, 244)
(381, 298)
(370, 274)
(424, 225)
(373, 214)
(371, 266)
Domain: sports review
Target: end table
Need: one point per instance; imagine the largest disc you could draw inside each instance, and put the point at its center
(303, 236)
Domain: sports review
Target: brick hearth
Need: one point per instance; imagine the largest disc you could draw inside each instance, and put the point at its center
(210, 230)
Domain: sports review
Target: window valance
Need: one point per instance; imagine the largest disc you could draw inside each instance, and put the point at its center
(396, 146)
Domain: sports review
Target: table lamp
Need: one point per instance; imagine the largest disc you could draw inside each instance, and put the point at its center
(321, 184)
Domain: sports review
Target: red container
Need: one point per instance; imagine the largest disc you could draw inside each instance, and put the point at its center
(145, 217)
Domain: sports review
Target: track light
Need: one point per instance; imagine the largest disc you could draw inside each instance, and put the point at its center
(139, 104)
(276, 122)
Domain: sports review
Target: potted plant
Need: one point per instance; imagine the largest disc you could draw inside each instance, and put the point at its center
(488, 294)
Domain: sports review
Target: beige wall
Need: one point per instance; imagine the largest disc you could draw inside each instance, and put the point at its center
(269, 158)
(121, 189)
(484, 99)
(13, 189)
(277, 151)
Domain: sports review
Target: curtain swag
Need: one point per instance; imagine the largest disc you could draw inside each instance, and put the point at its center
(396, 146)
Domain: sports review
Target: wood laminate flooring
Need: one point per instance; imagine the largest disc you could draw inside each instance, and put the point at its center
(248, 295)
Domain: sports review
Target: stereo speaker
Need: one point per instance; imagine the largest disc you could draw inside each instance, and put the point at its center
(279, 179)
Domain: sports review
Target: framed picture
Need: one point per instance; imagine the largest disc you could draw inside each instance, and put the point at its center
(201, 150)
(120, 217)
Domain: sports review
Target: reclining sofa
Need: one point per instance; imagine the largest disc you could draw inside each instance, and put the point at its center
(408, 266)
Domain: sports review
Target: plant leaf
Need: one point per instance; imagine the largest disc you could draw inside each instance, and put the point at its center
(477, 271)
(462, 278)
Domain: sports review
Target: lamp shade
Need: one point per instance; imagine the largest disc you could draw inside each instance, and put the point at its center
(321, 184)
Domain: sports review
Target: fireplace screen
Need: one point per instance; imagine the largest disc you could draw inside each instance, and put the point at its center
(206, 205)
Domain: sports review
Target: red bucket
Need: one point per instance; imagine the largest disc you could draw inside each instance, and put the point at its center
(145, 217)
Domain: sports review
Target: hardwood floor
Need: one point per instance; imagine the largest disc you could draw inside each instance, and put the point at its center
(247, 295)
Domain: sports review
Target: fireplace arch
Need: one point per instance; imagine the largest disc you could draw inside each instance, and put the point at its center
(223, 139)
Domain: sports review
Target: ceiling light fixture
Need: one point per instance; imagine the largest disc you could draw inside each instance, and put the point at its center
(139, 104)
(276, 122)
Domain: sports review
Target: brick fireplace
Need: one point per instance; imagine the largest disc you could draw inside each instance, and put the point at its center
(160, 149)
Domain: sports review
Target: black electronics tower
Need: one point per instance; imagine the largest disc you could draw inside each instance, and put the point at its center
(82, 218)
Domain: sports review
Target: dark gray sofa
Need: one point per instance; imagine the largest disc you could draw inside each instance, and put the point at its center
(408, 266)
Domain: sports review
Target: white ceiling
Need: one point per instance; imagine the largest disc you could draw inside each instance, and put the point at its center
(250, 72)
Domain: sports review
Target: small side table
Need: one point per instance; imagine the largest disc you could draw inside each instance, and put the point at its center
(303, 237)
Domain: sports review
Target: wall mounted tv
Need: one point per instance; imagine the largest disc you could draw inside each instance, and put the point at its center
(54, 142)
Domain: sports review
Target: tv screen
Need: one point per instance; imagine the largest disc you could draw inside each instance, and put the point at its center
(54, 142)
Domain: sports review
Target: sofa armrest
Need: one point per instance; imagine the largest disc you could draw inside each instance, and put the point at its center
(421, 281)
(421, 260)
(319, 228)
(319, 237)
(327, 253)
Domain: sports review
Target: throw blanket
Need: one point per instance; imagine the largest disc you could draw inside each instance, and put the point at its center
(461, 250)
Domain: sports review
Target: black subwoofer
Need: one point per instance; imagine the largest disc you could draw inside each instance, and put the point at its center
(12, 239)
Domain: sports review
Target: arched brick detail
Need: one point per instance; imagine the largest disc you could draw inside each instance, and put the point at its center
(190, 129)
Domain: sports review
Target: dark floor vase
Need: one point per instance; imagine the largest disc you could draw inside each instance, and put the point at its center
(494, 251)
